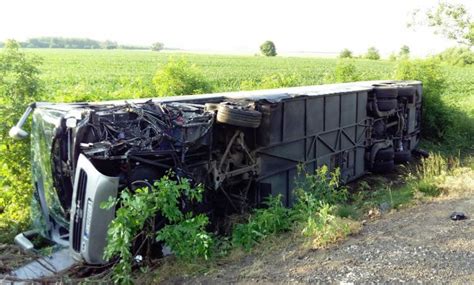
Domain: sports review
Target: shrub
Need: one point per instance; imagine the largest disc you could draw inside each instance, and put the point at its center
(135, 217)
(372, 53)
(324, 228)
(345, 71)
(188, 238)
(316, 195)
(261, 223)
(180, 78)
(268, 49)
(19, 86)
(345, 53)
(437, 118)
(318, 188)
(457, 56)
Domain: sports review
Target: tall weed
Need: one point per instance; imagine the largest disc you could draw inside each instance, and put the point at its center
(261, 223)
(432, 172)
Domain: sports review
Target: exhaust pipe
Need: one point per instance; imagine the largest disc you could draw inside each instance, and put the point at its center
(16, 132)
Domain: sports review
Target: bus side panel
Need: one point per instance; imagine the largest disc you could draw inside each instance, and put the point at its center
(312, 131)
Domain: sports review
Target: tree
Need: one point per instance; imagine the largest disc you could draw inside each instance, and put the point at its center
(452, 21)
(268, 49)
(109, 45)
(457, 56)
(345, 53)
(157, 46)
(372, 53)
(404, 52)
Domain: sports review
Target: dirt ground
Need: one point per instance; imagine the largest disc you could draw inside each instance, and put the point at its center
(417, 244)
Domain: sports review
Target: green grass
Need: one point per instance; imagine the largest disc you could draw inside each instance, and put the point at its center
(104, 74)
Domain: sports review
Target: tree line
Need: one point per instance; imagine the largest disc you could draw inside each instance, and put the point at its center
(78, 43)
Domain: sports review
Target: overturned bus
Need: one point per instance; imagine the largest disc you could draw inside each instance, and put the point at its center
(244, 146)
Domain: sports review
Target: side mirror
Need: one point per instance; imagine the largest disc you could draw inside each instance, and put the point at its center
(17, 132)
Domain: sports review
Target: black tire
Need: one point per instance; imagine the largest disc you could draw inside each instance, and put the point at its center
(386, 92)
(402, 156)
(383, 166)
(385, 154)
(238, 116)
(407, 92)
(387, 105)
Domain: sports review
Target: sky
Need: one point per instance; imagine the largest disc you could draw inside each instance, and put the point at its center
(234, 26)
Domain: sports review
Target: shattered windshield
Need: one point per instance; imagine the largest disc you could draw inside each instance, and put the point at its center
(44, 126)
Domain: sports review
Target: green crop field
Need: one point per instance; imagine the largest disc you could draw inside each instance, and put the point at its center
(126, 74)
(74, 75)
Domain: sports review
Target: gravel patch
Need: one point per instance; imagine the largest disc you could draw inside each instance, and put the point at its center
(418, 244)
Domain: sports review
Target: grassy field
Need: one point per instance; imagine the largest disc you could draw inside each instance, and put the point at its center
(105, 74)
(125, 74)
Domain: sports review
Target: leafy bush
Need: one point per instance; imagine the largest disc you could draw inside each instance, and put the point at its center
(19, 86)
(135, 217)
(372, 53)
(261, 223)
(324, 228)
(316, 195)
(180, 78)
(437, 117)
(268, 49)
(345, 53)
(457, 56)
(317, 189)
(345, 71)
(271, 81)
(188, 238)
